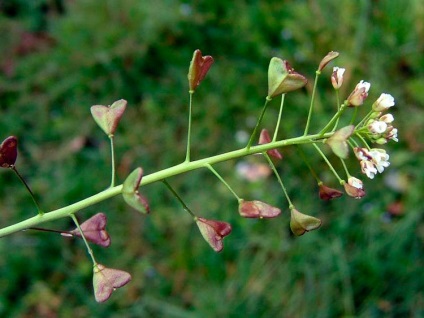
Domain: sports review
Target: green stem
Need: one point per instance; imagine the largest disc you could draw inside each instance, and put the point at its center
(363, 140)
(64, 233)
(338, 109)
(279, 179)
(365, 119)
(40, 212)
(328, 162)
(333, 120)
(355, 112)
(187, 159)
(154, 177)
(314, 174)
(311, 106)
(279, 118)
(112, 151)
(89, 250)
(177, 196)
(261, 116)
(345, 168)
(223, 181)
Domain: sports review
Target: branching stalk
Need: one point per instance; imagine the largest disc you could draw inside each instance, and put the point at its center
(89, 250)
(279, 179)
(223, 181)
(277, 127)
(328, 162)
(333, 120)
(155, 177)
(112, 151)
(311, 106)
(261, 116)
(187, 159)
(40, 212)
(177, 196)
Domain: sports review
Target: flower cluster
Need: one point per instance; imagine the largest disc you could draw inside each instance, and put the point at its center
(372, 161)
(380, 126)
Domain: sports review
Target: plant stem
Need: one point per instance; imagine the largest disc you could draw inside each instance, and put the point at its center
(364, 141)
(278, 178)
(63, 233)
(112, 151)
(40, 212)
(338, 109)
(306, 161)
(154, 177)
(311, 106)
(223, 181)
(89, 250)
(355, 112)
(333, 120)
(279, 118)
(328, 162)
(187, 159)
(345, 168)
(365, 119)
(177, 196)
(261, 116)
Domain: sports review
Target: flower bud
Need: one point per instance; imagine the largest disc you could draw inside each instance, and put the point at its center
(327, 59)
(264, 138)
(213, 232)
(8, 152)
(384, 102)
(257, 209)
(199, 67)
(327, 193)
(337, 77)
(387, 118)
(108, 117)
(282, 78)
(301, 223)
(107, 280)
(357, 97)
(391, 134)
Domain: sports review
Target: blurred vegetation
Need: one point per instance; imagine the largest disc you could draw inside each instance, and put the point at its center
(60, 57)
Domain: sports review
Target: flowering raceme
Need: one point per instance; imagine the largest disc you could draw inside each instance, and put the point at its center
(341, 134)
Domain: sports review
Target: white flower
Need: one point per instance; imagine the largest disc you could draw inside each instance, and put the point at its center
(380, 159)
(388, 118)
(384, 102)
(354, 182)
(368, 168)
(372, 161)
(391, 134)
(337, 77)
(377, 127)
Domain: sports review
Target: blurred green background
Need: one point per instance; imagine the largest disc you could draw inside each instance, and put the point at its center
(59, 57)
